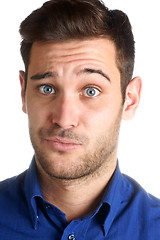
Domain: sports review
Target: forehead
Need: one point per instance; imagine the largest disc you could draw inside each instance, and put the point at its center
(92, 47)
(99, 52)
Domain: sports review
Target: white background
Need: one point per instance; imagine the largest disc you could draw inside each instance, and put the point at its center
(139, 139)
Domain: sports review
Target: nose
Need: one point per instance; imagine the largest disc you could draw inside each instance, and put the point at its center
(65, 112)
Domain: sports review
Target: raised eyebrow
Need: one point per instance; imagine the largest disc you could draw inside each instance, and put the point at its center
(40, 76)
(91, 70)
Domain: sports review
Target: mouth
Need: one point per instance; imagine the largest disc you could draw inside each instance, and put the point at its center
(62, 144)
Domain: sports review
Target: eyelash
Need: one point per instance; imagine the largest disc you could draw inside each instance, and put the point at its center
(48, 86)
(91, 88)
(96, 90)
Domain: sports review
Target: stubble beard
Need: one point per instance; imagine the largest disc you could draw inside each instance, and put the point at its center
(92, 163)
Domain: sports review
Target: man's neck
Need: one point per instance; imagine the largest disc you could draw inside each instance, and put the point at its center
(76, 198)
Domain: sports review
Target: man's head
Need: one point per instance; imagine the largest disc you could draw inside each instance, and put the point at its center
(65, 20)
(79, 59)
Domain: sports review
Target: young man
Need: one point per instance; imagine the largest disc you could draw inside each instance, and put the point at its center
(76, 89)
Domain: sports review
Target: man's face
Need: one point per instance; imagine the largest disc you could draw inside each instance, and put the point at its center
(74, 105)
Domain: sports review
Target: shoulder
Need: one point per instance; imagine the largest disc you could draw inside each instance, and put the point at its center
(137, 189)
(13, 180)
(138, 210)
(144, 203)
(11, 187)
(12, 198)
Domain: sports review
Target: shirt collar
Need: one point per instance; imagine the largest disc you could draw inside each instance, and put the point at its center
(117, 193)
(32, 190)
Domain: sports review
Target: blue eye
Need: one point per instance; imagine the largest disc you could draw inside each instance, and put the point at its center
(91, 92)
(47, 89)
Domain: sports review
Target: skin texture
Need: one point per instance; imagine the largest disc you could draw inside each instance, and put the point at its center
(74, 104)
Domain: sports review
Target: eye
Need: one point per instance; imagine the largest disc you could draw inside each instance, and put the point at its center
(47, 89)
(91, 92)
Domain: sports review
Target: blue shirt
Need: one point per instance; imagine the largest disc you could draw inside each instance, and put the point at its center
(126, 212)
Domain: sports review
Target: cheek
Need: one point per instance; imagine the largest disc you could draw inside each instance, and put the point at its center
(36, 114)
(99, 119)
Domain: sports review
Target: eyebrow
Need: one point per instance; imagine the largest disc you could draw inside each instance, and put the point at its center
(40, 76)
(90, 70)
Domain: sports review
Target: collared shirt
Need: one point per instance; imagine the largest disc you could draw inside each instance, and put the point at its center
(126, 212)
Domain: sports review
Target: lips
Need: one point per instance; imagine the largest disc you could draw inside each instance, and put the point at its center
(61, 144)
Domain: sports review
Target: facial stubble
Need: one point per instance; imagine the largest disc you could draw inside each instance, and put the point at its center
(93, 162)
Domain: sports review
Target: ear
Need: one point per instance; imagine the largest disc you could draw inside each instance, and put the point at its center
(22, 82)
(132, 99)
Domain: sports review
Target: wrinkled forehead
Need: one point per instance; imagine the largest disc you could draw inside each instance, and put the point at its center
(101, 50)
(74, 57)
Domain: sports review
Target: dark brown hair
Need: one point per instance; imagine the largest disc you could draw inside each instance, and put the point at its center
(63, 20)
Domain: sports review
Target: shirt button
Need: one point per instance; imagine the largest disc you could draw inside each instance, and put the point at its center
(47, 206)
(71, 237)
